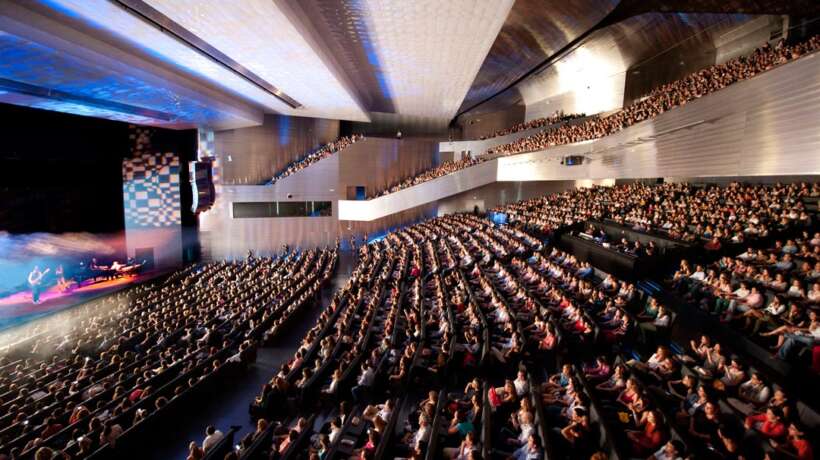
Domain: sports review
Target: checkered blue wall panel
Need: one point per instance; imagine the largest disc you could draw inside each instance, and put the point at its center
(151, 190)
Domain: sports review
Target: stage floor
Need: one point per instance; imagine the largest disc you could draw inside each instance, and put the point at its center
(17, 309)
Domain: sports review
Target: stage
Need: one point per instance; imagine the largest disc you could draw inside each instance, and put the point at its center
(18, 308)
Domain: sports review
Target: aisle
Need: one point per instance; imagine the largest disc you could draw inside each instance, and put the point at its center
(230, 407)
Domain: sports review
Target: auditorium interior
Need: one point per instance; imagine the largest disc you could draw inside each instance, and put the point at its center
(409, 229)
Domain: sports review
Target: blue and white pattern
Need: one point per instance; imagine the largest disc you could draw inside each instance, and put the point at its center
(151, 190)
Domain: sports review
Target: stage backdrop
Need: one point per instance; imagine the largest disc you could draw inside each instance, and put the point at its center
(151, 201)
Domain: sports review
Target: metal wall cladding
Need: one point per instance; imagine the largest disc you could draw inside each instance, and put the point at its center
(257, 153)
(377, 163)
(419, 195)
(762, 126)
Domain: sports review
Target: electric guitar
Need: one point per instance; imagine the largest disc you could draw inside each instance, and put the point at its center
(37, 279)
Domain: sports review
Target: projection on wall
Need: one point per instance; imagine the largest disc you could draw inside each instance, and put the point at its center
(151, 202)
(151, 190)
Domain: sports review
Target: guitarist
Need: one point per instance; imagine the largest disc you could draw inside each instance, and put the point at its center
(35, 280)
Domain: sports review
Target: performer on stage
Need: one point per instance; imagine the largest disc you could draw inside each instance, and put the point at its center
(61, 282)
(35, 280)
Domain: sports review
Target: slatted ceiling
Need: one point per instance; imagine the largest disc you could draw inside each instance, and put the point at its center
(534, 30)
(261, 37)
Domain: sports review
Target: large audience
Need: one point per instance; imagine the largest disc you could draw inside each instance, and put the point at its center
(770, 294)
(666, 97)
(458, 338)
(82, 388)
(321, 153)
(661, 99)
(557, 117)
(441, 170)
(707, 215)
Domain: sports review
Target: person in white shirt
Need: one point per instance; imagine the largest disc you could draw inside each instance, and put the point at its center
(672, 450)
(526, 428)
(334, 382)
(382, 411)
(748, 255)
(422, 435)
(699, 274)
(751, 301)
(775, 307)
(814, 293)
(364, 382)
(213, 436)
(522, 386)
(796, 289)
(757, 318)
(752, 394)
(335, 429)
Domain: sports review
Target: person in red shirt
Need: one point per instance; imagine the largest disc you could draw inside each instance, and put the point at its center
(290, 439)
(135, 395)
(51, 427)
(768, 424)
(796, 445)
(548, 342)
(649, 439)
(713, 244)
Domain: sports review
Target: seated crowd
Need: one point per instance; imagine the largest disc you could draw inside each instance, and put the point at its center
(623, 245)
(661, 99)
(457, 338)
(82, 389)
(557, 117)
(710, 215)
(318, 154)
(665, 97)
(441, 170)
(773, 294)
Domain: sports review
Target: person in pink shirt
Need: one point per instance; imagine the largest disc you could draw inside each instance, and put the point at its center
(753, 301)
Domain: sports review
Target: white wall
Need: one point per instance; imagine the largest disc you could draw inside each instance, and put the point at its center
(591, 93)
